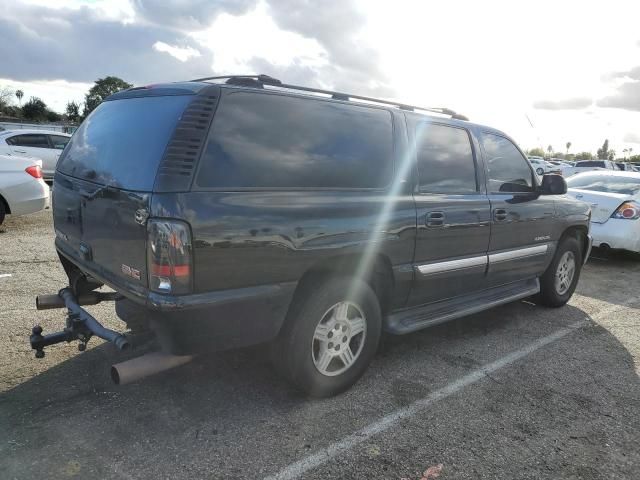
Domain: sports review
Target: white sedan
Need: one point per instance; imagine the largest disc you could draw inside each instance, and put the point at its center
(47, 145)
(22, 189)
(615, 206)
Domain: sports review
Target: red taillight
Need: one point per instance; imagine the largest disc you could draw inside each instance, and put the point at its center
(35, 171)
(627, 211)
(169, 256)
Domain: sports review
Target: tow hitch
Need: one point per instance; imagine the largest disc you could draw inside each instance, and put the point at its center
(80, 324)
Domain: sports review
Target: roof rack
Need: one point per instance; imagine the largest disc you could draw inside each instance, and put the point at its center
(259, 81)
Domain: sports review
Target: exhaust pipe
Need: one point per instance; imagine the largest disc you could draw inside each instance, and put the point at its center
(126, 372)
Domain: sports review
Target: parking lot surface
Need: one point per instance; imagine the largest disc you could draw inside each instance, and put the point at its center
(519, 391)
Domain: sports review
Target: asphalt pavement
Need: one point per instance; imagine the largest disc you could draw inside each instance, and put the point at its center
(520, 391)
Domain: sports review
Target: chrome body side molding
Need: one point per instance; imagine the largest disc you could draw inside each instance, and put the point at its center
(439, 267)
(518, 253)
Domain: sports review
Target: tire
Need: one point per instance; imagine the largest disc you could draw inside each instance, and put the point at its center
(345, 314)
(539, 171)
(554, 292)
(2, 211)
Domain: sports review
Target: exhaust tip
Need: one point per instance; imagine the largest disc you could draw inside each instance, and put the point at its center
(115, 376)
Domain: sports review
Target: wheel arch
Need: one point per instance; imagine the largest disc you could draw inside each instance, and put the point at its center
(378, 274)
(7, 208)
(580, 233)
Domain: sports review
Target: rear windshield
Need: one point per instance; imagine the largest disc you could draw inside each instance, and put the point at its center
(122, 142)
(606, 183)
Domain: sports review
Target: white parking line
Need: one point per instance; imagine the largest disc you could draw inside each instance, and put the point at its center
(5, 275)
(302, 466)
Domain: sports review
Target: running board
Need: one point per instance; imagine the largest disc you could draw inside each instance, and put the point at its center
(417, 318)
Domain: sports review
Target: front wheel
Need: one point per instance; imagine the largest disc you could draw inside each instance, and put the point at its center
(559, 282)
(330, 336)
(539, 171)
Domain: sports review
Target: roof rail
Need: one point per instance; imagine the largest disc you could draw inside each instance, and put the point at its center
(260, 80)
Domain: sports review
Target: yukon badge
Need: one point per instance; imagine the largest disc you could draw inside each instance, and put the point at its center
(141, 216)
(542, 238)
(130, 272)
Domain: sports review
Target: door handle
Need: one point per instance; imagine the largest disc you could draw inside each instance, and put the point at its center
(579, 195)
(435, 219)
(20, 151)
(499, 214)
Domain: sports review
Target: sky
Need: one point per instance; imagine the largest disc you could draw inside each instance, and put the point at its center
(545, 72)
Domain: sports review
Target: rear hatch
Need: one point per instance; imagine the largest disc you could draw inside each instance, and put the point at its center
(103, 186)
(603, 204)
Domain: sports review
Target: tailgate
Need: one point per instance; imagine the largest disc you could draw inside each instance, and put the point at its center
(96, 225)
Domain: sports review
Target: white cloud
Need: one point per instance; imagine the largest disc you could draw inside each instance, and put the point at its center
(181, 53)
(55, 93)
(237, 40)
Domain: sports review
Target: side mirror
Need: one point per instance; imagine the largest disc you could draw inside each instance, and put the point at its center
(553, 185)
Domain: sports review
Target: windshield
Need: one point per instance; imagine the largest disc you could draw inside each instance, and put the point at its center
(122, 142)
(606, 183)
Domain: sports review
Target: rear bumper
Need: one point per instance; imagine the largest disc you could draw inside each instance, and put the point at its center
(28, 197)
(200, 322)
(618, 234)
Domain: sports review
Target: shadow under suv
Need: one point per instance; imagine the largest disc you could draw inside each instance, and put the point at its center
(233, 211)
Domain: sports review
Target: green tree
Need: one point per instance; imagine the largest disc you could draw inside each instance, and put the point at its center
(52, 116)
(568, 146)
(611, 155)
(102, 88)
(635, 159)
(73, 111)
(536, 152)
(584, 156)
(34, 109)
(550, 149)
(603, 152)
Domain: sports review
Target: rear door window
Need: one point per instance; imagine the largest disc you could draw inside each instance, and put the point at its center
(122, 142)
(36, 140)
(58, 141)
(445, 160)
(276, 141)
(508, 170)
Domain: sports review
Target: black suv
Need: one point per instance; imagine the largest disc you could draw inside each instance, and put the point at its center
(232, 211)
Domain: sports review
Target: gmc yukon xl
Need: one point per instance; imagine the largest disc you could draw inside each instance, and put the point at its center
(225, 212)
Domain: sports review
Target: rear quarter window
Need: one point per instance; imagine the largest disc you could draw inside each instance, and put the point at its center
(276, 141)
(123, 141)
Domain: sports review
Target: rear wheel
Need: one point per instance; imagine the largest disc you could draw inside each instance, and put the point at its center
(539, 171)
(561, 278)
(2, 211)
(330, 336)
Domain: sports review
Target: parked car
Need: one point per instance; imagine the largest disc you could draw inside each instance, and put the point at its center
(252, 211)
(43, 144)
(624, 166)
(615, 204)
(541, 166)
(22, 189)
(588, 165)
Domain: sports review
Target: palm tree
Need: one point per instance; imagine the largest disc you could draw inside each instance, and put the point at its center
(568, 147)
(624, 150)
(19, 94)
(550, 150)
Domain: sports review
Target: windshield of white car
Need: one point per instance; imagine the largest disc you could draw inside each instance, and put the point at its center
(606, 183)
